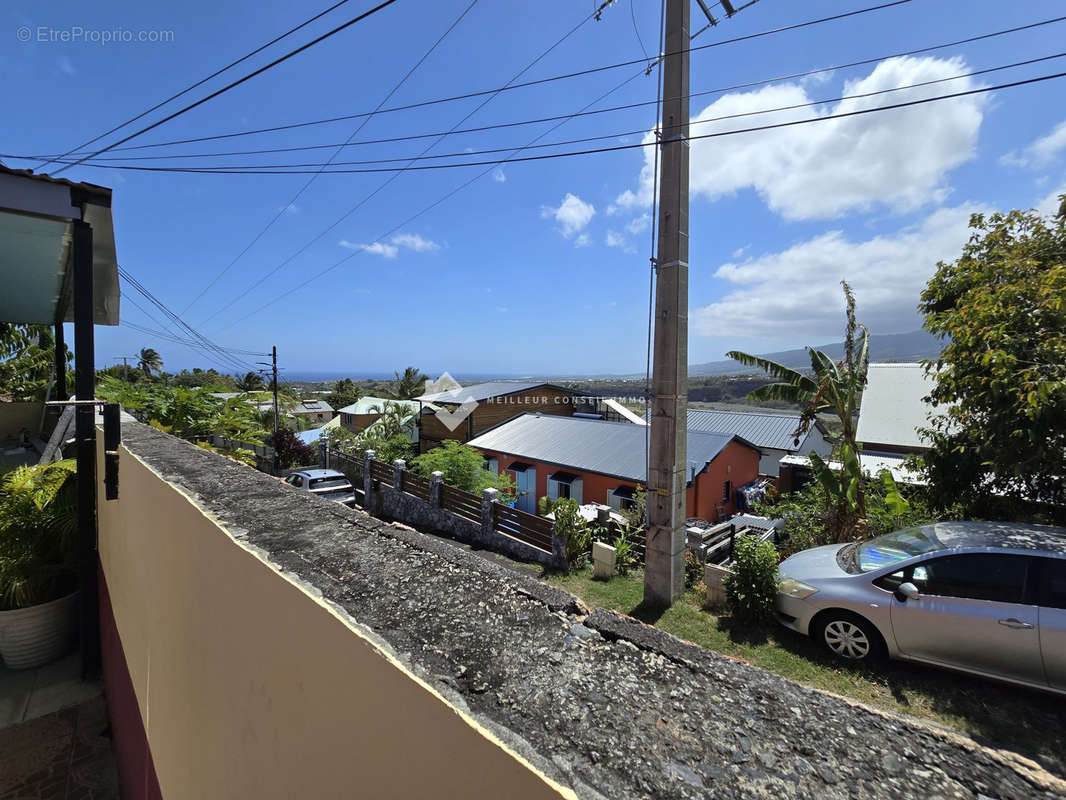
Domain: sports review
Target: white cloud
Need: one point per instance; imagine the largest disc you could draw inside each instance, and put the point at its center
(573, 214)
(796, 293)
(499, 176)
(582, 241)
(898, 158)
(413, 241)
(639, 224)
(391, 249)
(501, 309)
(377, 248)
(1049, 206)
(66, 66)
(1041, 152)
(614, 239)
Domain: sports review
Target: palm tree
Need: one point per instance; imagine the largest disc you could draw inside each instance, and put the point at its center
(251, 382)
(149, 361)
(410, 384)
(836, 387)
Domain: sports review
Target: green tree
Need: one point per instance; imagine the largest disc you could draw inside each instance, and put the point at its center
(345, 393)
(27, 366)
(250, 382)
(830, 386)
(409, 384)
(149, 361)
(1001, 309)
(465, 468)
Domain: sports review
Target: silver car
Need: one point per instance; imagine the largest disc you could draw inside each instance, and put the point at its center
(982, 597)
(326, 483)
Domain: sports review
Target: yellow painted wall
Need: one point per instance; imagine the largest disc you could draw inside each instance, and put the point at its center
(250, 687)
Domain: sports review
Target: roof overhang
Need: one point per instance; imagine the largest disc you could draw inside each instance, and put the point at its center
(37, 215)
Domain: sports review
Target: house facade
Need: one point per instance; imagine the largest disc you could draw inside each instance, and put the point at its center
(463, 413)
(367, 410)
(599, 461)
(316, 412)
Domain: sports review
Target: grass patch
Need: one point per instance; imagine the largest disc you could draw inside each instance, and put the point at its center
(1024, 721)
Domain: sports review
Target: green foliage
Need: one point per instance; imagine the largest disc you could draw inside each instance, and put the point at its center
(807, 518)
(1001, 309)
(345, 393)
(149, 361)
(209, 379)
(833, 386)
(250, 382)
(28, 361)
(637, 514)
(751, 589)
(693, 569)
(409, 384)
(37, 527)
(895, 502)
(571, 527)
(465, 468)
(625, 554)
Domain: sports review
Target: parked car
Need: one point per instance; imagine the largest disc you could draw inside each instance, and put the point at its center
(982, 597)
(327, 483)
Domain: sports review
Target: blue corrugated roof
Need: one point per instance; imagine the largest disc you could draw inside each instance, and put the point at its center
(590, 445)
(772, 431)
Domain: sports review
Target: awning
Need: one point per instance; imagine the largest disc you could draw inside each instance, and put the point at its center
(36, 254)
(519, 466)
(623, 491)
(563, 477)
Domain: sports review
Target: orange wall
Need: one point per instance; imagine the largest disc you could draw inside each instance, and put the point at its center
(737, 463)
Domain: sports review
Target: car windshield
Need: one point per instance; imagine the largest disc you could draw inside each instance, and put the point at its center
(329, 483)
(891, 548)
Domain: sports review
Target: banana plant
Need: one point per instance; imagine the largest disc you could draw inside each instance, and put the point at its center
(834, 386)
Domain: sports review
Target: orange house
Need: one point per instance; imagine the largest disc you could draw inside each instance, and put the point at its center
(594, 461)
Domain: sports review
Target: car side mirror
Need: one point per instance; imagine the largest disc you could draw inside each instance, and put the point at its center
(907, 591)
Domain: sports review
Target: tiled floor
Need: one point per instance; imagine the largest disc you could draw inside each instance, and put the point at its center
(54, 735)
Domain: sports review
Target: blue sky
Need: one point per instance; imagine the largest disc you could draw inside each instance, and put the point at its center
(538, 267)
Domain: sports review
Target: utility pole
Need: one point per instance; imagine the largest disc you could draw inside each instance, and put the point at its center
(274, 385)
(664, 573)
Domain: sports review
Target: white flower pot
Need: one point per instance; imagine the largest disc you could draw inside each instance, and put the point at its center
(34, 636)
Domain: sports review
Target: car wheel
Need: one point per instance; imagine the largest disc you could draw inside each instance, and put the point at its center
(849, 636)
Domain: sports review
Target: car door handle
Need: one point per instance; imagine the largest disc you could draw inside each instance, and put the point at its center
(1017, 624)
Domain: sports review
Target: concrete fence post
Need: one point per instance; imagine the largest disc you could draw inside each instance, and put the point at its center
(368, 482)
(436, 480)
(488, 513)
(398, 466)
(323, 452)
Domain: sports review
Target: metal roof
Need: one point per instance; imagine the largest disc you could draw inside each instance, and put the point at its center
(591, 445)
(373, 405)
(771, 431)
(892, 407)
(312, 407)
(483, 391)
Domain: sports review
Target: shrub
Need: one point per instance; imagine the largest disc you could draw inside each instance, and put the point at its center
(751, 589)
(625, 554)
(693, 569)
(291, 452)
(574, 531)
(464, 468)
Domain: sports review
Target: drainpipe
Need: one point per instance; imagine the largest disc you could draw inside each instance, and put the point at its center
(85, 435)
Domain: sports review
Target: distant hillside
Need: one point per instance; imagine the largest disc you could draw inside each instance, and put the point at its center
(912, 346)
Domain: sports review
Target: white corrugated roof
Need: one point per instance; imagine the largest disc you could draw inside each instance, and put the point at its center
(892, 406)
(772, 431)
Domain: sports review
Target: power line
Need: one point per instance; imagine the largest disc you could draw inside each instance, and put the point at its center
(182, 340)
(465, 153)
(238, 82)
(594, 15)
(591, 151)
(337, 152)
(497, 126)
(539, 81)
(627, 147)
(207, 343)
(199, 83)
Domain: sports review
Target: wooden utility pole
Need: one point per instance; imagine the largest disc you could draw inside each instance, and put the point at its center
(274, 384)
(664, 573)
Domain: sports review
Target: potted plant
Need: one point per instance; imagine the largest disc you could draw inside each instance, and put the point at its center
(38, 574)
